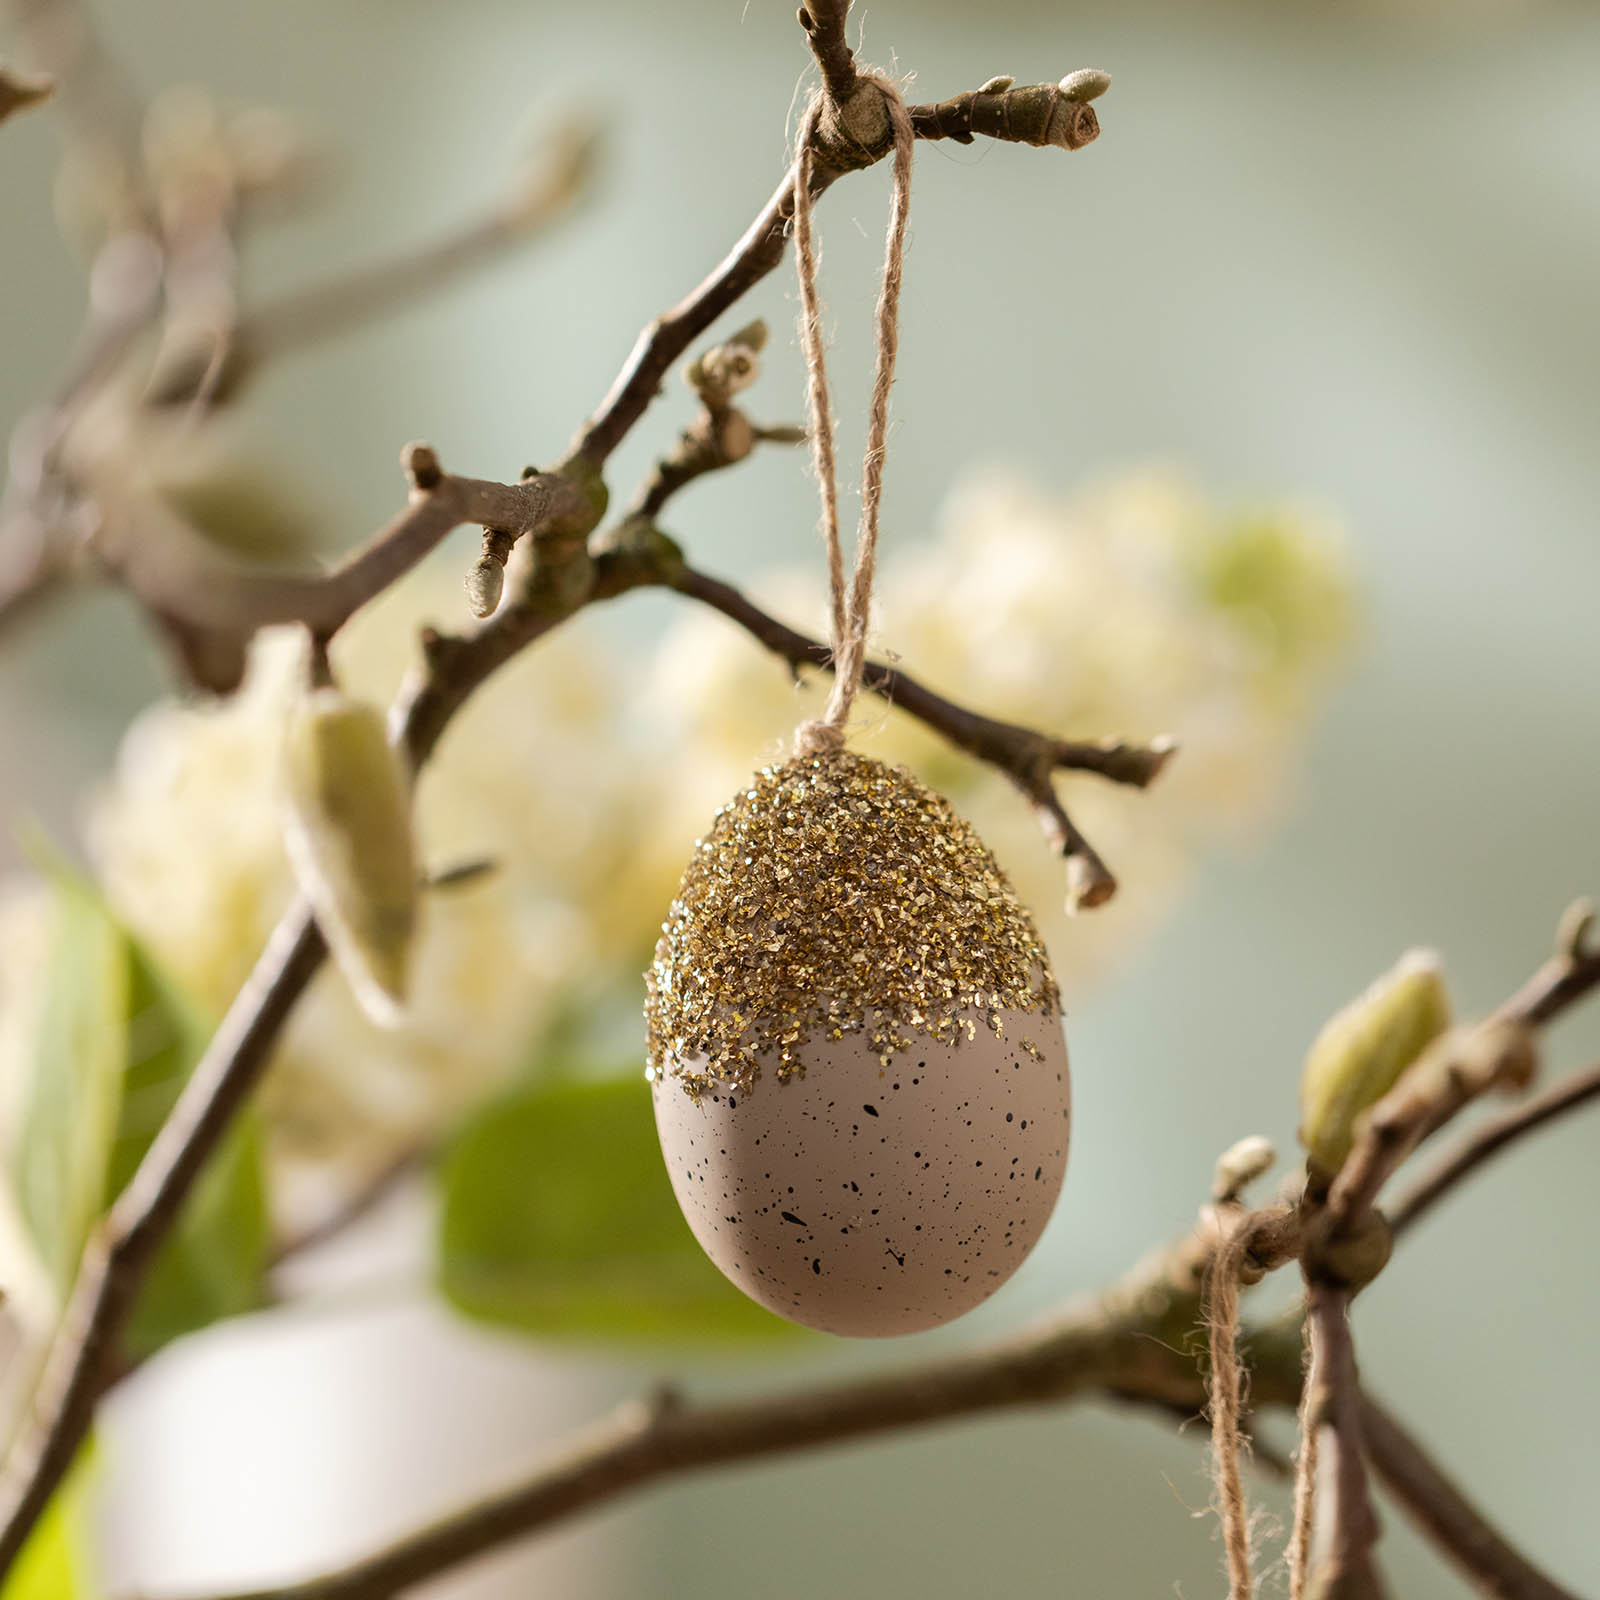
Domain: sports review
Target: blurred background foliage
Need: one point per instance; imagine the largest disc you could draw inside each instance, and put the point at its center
(1331, 273)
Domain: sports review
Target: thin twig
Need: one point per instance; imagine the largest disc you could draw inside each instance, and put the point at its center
(357, 1206)
(117, 1259)
(1488, 1140)
(1347, 1527)
(320, 311)
(18, 92)
(1442, 1512)
(824, 22)
(756, 255)
(1027, 757)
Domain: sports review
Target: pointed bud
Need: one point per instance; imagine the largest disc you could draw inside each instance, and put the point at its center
(18, 92)
(1087, 83)
(1362, 1051)
(1240, 1165)
(348, 828)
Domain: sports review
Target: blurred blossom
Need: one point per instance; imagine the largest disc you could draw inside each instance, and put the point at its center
(187, 841)
(1135, 609)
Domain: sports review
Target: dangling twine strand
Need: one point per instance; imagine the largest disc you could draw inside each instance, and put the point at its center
(1305, 1482)
(851, 606)
(1222, 1323)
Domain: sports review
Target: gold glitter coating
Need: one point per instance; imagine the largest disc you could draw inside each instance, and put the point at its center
(835, 895)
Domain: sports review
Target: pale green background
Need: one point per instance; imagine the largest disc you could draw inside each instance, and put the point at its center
(1348, 253)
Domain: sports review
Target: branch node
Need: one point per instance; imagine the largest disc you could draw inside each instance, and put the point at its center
(1574, 930)
(1239, 1166)
(823, 21)
(422, 468)
(436, 646)
(1090, 882)
(462, 873)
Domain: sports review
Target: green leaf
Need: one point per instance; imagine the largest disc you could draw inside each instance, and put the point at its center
(72, 1106)
(558, 1219)
(214, 1264)
(57, 1561)
(116, 1044)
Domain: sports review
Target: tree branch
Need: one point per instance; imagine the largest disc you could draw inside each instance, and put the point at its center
(1347, 1527)
(1131, 1343)
(1028, 758)
(1038, 114)
(534, 202)
(1442, 1512)
(18, 92)
(756, 254)
(823, 21)
(1490, 1139)
(116, 1263)
(564, 506)
(84, 1352)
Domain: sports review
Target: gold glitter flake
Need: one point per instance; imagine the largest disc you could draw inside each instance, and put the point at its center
(835, 895)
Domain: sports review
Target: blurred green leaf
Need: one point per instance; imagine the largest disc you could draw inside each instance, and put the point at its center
(215, 1262)
(1277, 576)
(71, 1118)
(558, 1219)
(116, 1045)
(57, 1562)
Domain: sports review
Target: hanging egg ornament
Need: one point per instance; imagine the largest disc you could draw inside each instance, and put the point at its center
(856, 1052)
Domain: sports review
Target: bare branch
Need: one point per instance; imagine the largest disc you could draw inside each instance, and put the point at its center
(99, 106)
(18, 91)
(1127, 1342)
(119, 1257)
(85, 1352)
(541, 197)
(359, 1205)
(756, 254)
(1026, 757)
(211, 604)
(1038, 114)
(824, 23)
(1442, 1512)
(720, 435)
(562, 507)
(1347, 1527)
(1490, 1139)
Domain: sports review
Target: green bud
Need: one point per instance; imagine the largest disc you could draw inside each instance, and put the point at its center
(348, 830)
(1361, 1052)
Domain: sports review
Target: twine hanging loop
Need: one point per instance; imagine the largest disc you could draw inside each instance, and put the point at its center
(850, 601)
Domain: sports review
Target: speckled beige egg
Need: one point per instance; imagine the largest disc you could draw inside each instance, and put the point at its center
(872, 1200)
(856, 1054)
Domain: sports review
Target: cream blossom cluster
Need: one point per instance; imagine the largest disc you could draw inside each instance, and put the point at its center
(1137, 608)
(187, 841)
